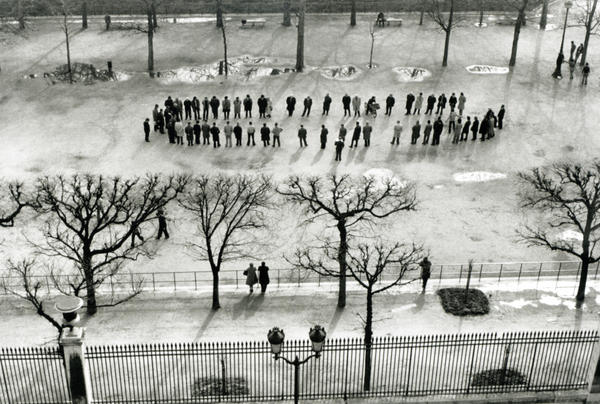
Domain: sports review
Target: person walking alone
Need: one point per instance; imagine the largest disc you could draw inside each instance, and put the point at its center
(389, 104)
(346, 100)
(307, 106)
(356, 105)
(585, 72)
(147, 130)
(251, 278)
(263, 277)
(501, 114)
(425, 265)
(162, 224)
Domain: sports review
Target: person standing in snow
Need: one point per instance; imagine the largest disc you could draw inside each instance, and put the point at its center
(263, 277)
(251, 278)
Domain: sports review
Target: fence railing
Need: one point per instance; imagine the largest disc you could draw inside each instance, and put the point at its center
(195, 280)
(400, 366)
(32, 376)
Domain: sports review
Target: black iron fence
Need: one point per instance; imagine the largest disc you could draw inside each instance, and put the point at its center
(32, 376)
(400, 366)
(553, 271)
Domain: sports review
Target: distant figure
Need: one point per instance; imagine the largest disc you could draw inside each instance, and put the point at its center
(307, 106)
(237, 132)
(464, 135)
(425, 271)
(214, 131)
(326, 105)
(214, 106)
(346, 100)
(356, 135)
(430, 104)
(147, 129)
(416, 133)
(438, 128)
(291, 104)
(585, 73)
(573, 49)
(228, 131)
(248, 106)
(339, 146)
(265, 135)
(107, 21)
(189, 134)
(324, 133)
(452, 101)
(410, 99)
(197, 131)
(441, 104)
(250, 130)
(356, 105)
(276, 132)
(205, 108)
(237, 108)
(251, 278)
(302, 136)
(262, 106)
(572, 65)
(367, 129)
(475, 128)
(226, 106)
(342, 132)
(380, 19)
(205, 133)
(136, 233)
(418, 104)
(462, 100)
(389, 104)
(263, 277)
(187, 107)
(397, 133)
(427, 132)
(578, 52)
(501, 114)
(162, 224)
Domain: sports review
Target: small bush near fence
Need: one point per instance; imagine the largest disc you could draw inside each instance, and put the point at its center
(498, 377)
(454, 302)
(211, 386)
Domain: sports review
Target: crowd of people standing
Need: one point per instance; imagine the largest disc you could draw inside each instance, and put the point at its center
(198, 131)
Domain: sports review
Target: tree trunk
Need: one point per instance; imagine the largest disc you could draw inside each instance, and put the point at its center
(368, 339)
(422, 13)
(20, 14)
(84, 14)
(544, 16)
(287, 19)
(353, 13)
(448, 32)
(150, 43)
(219, 13)
(225, 50)
(215, 295)
(588, 29)
(154, 18)
(515, 44)
(585, 263)
(300, 47)
(342, 252)
(372, 46)
(66, 30)
(92, 306)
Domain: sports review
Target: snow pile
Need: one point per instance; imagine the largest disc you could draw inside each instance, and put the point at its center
(80, 72)
(550, 300)
(485, 69)
(408, 74)
(519, 303)
(383, 176)
(344, 72)
(244, 67)
(478, 176)
(570, 235)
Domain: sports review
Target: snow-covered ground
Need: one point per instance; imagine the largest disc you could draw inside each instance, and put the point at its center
(62, 128)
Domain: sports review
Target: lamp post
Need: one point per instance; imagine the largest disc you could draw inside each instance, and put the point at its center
(68, 306)
(317, 337)
(557, 72)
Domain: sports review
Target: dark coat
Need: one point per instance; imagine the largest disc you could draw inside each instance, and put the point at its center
(475, 126)
(146, 127)
(308, 102)
(291, 103)
(326, 102)
(409, 100)
(247, 104)
(263, 275)
(430, 101)
(237, 131)
(346, 101)
(215, 132)
(438, 128)
(264, 133)
(356, 133)
(390, 101)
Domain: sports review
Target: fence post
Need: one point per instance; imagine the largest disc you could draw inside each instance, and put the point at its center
(237, 285)
(174, 281)
(319, 280)
(298, 278)
(480, 271)
(195, 281)
(112, 289)
(520, 269)
(153, 283)
(500, 275)
(76, 367)
(460, 275)
(558, 274)
(540, 271)
(441, 269)
(278, 276)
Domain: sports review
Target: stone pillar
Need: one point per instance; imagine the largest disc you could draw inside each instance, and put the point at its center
(78, 375)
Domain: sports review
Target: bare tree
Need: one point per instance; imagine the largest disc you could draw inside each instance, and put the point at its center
(90, 220)
(447, 21)
(481, 5)
(219, 13)
(150, 41)
(229, 212)
(67, 31)
(521, 6)
(370, 266)
(225, 62)
(287, 17)
(23, 280)
(589, 18)
(352, 13)
(153, 6)
(372, 34)
(300, 42)
(567, 197)
(422, 12)
(12, 202)
(544, 15)
(347, 203)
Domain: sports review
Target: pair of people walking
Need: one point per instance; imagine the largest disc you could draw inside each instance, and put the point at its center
(262, 278)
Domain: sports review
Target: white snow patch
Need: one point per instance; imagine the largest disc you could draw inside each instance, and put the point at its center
(382, 176)
(486, 69)
(550, 300)
(343, 73)
(404, 308)
(519, 304)
(478, 176)
(407, 74)
(438, 187)
(570, 235)
(483, 25)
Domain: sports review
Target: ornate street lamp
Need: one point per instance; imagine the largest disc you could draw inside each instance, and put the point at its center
(559, 60)
(317, 337)
(68, 306)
